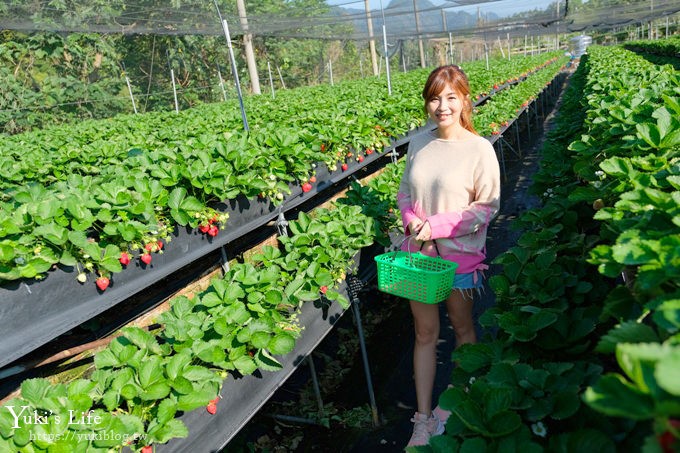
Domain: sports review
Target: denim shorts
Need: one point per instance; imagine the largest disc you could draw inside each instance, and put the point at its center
(467, 281)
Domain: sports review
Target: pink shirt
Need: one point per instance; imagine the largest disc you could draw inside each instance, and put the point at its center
(455, 186)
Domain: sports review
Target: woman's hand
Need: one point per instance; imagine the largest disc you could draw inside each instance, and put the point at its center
(425, 233)
(414, 226)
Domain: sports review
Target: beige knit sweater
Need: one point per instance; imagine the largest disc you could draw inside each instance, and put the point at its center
(455, 186)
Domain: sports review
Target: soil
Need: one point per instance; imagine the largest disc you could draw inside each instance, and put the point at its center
(388, 324)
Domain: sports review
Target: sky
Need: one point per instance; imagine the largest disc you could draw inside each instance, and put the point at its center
(502, 7)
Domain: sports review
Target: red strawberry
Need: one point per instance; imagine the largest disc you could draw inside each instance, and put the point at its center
(149, 247)
(213, 230)
(146, 258)
(312, 179)
(203, 228)
(360, 158)
(349, 154)
(495, 87)
(306, 187)
(211, 408)
(159, 243)
(369, 151)
(344, 167)
(323, 147)
(147, 449)
(323, 289)
(124, 258)
(666, 441)
(102, 283)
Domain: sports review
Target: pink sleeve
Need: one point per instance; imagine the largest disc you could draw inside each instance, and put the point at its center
(404, 197)
(407, 214)
(444, 225)
(453, 224)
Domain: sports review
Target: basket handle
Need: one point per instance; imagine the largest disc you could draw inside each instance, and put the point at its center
(434, 241)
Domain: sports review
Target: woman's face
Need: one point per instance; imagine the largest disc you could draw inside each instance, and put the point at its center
(445, 107)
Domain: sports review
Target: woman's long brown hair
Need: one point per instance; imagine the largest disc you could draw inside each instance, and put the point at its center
(454, 76)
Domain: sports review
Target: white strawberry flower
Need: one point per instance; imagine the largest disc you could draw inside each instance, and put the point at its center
(539, 429)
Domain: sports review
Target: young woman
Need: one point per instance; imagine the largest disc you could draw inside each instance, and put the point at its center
(449, 192)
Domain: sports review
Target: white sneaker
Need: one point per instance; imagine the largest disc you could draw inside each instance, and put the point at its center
(424, 428)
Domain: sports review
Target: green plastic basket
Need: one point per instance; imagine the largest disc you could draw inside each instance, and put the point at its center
(415, 276)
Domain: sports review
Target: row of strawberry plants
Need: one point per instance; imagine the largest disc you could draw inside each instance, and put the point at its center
(116, 196)
(51, 154)
(590, 284)
(142, 381)
(634, 184)
(669, 47)
(504, 107)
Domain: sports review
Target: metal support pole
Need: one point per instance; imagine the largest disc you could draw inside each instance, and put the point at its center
(225, 260)
(224, 92)
(234, 70)
(509, 46)
(174, 89)
(283, 84)
(451, 46)
(134, 106)
(330, 70)
(315, 382)
(129, 87)
(225, 29)
(500, 46)
(172, 78)
(507, 143)
(354, 300)
(387, 58)
(500, 146)
(271, 79)
(387, 61)
(293, 419)
(526, 116)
